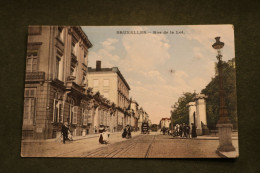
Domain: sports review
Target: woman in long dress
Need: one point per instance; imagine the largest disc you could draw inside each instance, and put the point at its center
(101, 137)
(105, 137)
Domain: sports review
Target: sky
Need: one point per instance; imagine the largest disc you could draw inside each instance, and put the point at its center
(159, 67)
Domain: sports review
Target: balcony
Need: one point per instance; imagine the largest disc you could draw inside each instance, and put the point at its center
(35, 76)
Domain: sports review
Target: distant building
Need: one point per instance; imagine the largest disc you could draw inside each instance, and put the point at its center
(165, 122)
(135, 114)
(113, 86)
(143, 117)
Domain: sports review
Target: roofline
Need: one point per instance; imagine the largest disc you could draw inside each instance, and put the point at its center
(84, 36)
(113, 69)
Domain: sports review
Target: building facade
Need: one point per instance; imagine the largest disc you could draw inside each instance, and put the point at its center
(112, 85)
(165, 122)
(56, 84)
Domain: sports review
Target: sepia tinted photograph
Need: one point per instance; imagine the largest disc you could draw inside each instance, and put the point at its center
(159, 91)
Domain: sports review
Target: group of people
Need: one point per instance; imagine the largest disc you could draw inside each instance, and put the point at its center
(184, 131)
(65, 132)
(127, 132)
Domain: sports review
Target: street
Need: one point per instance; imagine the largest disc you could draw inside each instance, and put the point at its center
(153, 145)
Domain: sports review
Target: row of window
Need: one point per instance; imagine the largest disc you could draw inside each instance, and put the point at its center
(30, 110)
(96, 83)
(32, 60)
(122, 88)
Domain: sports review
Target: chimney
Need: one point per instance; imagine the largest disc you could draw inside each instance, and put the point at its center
(98, 65)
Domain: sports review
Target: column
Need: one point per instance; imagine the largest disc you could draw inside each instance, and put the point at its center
(192, 112)
(201, 117)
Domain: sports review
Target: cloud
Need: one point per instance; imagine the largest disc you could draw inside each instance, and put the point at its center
(108, 44)
(145, 52)
(105, 54)
(153, 74)
(197, 53)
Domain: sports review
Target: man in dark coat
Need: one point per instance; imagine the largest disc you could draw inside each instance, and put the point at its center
(124, 133)
(187, 129)
(64, 131)
(193, 131)
(129, 133)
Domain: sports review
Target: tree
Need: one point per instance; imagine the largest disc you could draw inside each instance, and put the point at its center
(180, 111)
(212, 91)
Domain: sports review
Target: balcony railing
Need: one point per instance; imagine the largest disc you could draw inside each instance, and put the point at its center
(35, 76)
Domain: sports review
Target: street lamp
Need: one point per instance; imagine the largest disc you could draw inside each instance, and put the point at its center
(224, 125)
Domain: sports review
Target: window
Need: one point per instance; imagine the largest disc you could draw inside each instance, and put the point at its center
(74, 117)
(29, 106)
(73, 112)
(89, 116)
(84, 117)
(57, 111)
(106, 82)
(32, 62)
(95, 83)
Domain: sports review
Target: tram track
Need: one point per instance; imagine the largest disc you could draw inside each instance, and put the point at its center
(111, 150)
(149, 148)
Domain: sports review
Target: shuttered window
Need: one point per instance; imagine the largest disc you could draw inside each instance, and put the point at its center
(32, 62)
(84, 117)
(29, 114)
(74, 117)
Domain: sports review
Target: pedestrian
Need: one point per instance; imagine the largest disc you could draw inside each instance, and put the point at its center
(181, 130)
(175, 131)
(184, 130)
(64, 131)
(187, 129)
(124, 133)
(193, 131)
(105, 136)
(101, 137)
(129, 133)
(95, 129)
(178, 129)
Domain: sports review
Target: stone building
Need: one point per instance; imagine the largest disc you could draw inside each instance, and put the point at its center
(134, 114)
(143, 117)
(56, 85)
(112, 85)
(165, 122)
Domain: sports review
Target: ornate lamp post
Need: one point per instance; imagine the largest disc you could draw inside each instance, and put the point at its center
(224, 125)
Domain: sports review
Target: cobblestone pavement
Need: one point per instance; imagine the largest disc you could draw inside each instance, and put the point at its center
(153, 145)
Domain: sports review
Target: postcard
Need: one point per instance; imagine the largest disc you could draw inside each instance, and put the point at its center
(130, 92)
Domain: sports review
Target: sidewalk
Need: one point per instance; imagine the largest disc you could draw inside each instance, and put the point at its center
(75, 148)
(75, 138)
